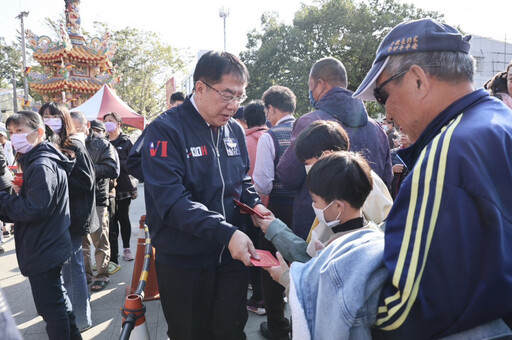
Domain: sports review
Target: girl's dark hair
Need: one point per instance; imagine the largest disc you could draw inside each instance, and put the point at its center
(28, 118)
(341, 175)
(320, 136)
(63, 139)
(497, 84)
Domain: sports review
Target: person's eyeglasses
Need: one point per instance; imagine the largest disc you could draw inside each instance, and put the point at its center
(226, 96)
(382, 95)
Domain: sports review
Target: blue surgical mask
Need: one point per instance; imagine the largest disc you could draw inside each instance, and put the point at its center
(312, 100)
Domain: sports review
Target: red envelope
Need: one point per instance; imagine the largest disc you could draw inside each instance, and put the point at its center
(266, 259)
(247, 209)
(18, 179)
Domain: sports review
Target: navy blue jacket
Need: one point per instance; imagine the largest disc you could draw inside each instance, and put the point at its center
(192, 173)
(448, 246)
(41, 211)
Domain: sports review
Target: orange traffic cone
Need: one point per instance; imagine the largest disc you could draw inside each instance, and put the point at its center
(134, 320)
(151, 290)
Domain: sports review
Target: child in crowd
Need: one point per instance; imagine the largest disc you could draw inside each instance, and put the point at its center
(41, 214)
(322, 137)
(350, 270)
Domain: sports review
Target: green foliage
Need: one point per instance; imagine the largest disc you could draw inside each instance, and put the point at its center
(10, 60)
(350, 31)
(144, 63)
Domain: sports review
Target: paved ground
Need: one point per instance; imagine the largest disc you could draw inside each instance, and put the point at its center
(105, 305)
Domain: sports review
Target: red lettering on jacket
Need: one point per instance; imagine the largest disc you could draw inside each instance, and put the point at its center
(153, 150)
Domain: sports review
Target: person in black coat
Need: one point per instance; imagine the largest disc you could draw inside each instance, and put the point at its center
(41, 213)
(125, 190)
(81, 203)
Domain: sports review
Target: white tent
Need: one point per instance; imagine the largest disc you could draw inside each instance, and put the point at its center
(105, 101)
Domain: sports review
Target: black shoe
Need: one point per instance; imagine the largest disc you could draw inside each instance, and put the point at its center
(268, 334)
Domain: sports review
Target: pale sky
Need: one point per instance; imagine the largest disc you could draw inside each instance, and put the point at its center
(197, 25)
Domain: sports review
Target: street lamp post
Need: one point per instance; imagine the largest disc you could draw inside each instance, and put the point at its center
(25, 81)
(224, 13)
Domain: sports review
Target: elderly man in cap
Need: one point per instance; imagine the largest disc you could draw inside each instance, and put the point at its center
(106, 167)
(448, 248)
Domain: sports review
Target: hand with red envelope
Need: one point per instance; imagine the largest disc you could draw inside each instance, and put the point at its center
(17, 182)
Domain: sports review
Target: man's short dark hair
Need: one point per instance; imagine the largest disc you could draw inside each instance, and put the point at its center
(177, 96)
(214, 64)
(341, 175)
(330, 70)
(281, 98)
(320, 136)
(254, 114)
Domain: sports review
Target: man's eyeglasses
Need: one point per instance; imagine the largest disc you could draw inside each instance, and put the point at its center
(382, 95)
(226, 96)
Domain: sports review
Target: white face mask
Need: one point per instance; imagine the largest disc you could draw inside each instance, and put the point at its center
(20, 142)
(308, 168)
(385, 127)
(54, 123)
(321, 217)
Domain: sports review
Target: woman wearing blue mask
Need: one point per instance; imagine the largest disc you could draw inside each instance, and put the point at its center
(41, 213)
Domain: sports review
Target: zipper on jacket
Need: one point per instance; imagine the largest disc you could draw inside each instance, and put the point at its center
(217, 153)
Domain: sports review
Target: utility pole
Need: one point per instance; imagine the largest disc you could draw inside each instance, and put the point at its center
(14, 95)
(224, 13)
(25, 81)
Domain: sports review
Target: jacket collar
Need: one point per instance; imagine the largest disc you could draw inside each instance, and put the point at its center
(410, 155)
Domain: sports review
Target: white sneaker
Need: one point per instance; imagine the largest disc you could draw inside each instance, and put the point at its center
(127, 254)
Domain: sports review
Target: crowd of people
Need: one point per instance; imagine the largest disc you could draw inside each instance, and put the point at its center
(395, 229)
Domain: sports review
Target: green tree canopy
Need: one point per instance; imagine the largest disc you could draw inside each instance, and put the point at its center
(280, 54)
(10, 60)
(144, 64)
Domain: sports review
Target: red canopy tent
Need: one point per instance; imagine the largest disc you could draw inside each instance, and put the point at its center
(105, 101)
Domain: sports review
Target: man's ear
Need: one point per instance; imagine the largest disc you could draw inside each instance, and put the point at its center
(200, 88)
(421, 79)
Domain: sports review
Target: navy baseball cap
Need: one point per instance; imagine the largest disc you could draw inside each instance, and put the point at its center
(424, 35)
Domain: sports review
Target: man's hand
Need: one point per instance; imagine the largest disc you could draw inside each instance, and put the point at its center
(241, 248)
(277, 271)
(398, 168)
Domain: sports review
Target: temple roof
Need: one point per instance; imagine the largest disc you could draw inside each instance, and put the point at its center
(83, 84)
(79, 53)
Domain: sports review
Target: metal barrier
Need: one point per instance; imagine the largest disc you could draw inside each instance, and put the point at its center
(131, 315)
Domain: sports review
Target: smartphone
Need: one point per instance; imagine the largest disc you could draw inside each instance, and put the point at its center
(246, 209)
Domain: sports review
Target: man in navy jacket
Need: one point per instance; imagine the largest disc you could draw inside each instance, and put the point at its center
(447, 237)
(195, 162)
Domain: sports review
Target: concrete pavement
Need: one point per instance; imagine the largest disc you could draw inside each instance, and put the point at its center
(105, 305)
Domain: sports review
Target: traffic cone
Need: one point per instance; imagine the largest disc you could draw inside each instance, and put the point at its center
(134, 319)
(151, 290)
